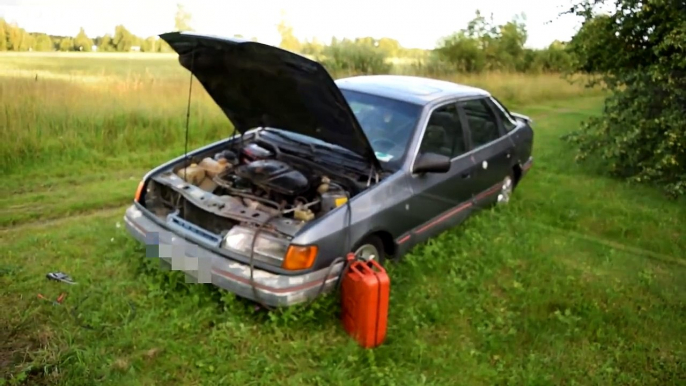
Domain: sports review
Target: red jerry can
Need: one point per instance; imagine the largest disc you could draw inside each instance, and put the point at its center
(364, 294)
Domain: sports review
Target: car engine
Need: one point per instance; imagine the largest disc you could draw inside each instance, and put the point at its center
(244, 185)
(274, 176)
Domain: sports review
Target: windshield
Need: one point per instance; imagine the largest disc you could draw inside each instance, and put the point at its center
(387, 123)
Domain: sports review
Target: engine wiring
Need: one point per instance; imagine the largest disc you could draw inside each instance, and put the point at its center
(372, 173)
(218, 180)
(280, 155)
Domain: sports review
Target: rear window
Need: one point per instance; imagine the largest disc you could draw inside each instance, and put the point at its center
(509, 123)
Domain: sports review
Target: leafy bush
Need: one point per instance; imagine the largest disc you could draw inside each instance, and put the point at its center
(484, 46)
(639, 54)
(434, 66)
(349, 57)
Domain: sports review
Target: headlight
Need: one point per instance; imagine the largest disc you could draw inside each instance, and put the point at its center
(268, 249)
(139, 191)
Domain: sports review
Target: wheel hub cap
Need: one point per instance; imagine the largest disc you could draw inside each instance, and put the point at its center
(367, 252)
(505, 191)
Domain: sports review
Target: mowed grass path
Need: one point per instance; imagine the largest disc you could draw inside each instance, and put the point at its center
(582, 280)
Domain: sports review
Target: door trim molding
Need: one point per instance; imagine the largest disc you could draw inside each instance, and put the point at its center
(448, 214)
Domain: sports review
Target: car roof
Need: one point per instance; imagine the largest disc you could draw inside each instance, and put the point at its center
(413, 89)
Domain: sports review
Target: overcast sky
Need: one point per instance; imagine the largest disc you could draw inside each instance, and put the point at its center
(417, 24)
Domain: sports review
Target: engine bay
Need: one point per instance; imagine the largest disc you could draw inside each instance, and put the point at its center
(250, 185)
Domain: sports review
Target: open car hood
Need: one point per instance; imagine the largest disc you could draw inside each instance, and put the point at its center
(257, 85)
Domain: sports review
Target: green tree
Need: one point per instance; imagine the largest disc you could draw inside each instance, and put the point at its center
(43, 43)
(14, 37)
(510, 44)
(389, 46)
(27, 41)
(313, 47)
(555, 58)
(483, 46)
(82, 42)
(354, 57)
(462, 52)
(182, 20)
(288, 39)
(105, 44)
(367, 41)
(150, 44)
(638, 52)
(3, 35)
(66, 44)
(163, 46)
(472, 49)
(123, 39)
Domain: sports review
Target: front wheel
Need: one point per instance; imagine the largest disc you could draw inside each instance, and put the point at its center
(370, 248)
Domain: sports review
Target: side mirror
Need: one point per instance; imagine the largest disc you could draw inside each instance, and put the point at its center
(431, 163)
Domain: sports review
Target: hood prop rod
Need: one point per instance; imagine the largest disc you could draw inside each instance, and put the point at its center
(188, 114)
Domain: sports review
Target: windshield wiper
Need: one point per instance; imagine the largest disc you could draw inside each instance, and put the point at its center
(339, 150)
(341, 154)
(313, 146)
(290, 139)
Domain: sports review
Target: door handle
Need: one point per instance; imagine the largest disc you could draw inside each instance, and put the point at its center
(466, 175)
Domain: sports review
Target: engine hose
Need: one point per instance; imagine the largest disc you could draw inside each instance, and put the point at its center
(259, 229)
(347, 264)
(352, 185)
(237, 192)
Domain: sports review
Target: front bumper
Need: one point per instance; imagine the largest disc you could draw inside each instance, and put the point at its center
(205, 266)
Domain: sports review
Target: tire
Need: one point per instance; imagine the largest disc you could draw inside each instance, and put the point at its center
(506, 189)
(370, 244)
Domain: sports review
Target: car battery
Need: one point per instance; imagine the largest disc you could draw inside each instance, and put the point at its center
(365, 291)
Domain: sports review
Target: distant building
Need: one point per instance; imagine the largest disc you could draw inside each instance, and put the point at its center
(136, 48)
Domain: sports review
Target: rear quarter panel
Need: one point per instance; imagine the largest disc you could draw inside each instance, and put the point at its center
(522, 137)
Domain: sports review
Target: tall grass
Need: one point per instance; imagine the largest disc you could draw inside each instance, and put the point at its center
(70, 108)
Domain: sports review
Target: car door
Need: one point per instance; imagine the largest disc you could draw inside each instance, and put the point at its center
(439, 199)
(492, 149)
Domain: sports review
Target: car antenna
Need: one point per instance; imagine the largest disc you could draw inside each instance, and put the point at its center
(188, 115)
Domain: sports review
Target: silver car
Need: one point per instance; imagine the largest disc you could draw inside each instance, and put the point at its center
(317, 168)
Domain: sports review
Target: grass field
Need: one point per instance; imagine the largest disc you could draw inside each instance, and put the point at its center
(580, 281)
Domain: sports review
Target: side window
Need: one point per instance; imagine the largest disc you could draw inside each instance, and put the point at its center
(508, 123)
(444, 133)
(482, 123)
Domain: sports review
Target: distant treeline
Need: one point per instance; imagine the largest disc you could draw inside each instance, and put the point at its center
(481, 46)
(15, 38)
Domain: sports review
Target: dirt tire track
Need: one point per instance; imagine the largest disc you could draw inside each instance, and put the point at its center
(613, 244)
(560, 110)
(43, 223)
(68, 182)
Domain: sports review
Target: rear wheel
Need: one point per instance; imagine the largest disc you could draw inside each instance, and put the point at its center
(370, 248)
(506, 189)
